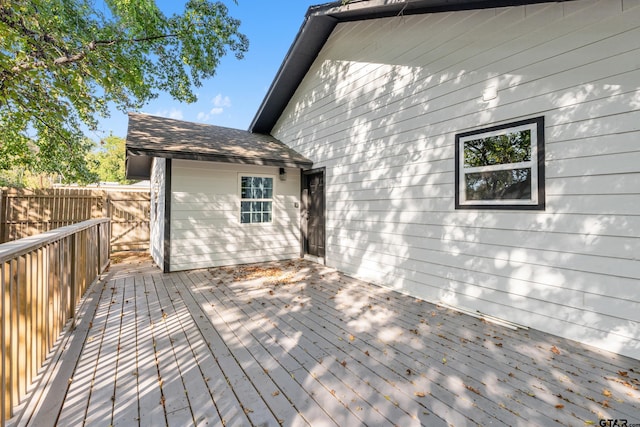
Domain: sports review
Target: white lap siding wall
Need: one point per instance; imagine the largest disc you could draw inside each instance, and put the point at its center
(380, 108)
(205, 216)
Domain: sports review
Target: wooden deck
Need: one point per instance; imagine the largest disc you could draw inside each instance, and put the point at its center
(296, 343)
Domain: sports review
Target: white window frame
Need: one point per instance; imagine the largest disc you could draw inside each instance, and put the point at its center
(272, 199)
(536, 165)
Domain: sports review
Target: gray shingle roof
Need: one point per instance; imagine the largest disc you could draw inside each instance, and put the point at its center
(152, 136)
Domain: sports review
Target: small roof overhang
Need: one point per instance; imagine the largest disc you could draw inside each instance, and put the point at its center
(318, 25)
(152, 136)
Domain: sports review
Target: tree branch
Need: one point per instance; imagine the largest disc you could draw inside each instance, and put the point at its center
(67, 59)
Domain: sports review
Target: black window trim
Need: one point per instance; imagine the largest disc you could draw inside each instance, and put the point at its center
(540, 138)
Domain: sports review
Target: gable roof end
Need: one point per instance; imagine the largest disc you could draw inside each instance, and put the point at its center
(318, 25)
(152, 136)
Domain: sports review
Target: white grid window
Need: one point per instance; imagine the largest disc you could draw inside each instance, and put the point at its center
(256, 199)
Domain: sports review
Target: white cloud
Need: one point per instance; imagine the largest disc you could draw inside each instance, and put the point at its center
(174, 113)
(220, 102)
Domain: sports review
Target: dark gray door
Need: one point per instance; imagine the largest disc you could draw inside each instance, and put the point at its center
(313, 198)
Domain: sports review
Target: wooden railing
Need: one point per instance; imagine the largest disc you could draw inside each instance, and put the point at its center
(42, 279)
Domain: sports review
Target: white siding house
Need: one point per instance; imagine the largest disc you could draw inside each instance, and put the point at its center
(386, 101)
(219, 196)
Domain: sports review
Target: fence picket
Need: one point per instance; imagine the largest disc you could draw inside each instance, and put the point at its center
(27, 212)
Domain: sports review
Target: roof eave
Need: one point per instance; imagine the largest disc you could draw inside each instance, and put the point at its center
(312, 35)
(138, 163)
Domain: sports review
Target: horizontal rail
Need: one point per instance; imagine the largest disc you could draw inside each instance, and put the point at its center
(42, 279)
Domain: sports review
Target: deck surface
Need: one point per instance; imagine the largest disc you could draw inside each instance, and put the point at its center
(295, 343)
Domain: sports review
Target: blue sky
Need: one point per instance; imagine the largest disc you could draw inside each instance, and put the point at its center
(232, 97)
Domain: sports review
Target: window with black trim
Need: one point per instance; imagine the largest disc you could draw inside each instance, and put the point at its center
(501, 167)
(256, 199)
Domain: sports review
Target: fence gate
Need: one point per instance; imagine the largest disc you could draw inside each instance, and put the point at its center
(29, 212)
(129, 212)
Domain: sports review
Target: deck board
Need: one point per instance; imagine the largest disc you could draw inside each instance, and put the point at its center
(150, 410)
(297, 344)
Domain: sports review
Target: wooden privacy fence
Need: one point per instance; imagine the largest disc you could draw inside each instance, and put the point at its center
(41, 281)
(29, 212)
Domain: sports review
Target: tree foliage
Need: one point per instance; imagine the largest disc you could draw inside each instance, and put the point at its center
(511, 147)
(496, 184)
(108, 163)
(63, 61)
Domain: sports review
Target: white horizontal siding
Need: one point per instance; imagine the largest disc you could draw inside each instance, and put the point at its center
(205, 217)
(380, 108)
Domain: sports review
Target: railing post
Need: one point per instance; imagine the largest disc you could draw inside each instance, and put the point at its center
(3, 216)
(4, 408)
(73, 279)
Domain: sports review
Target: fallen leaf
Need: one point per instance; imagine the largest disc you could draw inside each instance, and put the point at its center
(247, 410)
(367, 353)
(555, 350)
(444, 360)
(606, 393)
(408, 371)
(344, 363)
(475, 390)
(275, 393)
(623, 373)
(559, 406)
(605, 404)
(352, 338)
(419, 393)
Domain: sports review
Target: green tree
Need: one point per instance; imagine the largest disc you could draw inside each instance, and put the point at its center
(108, 163)
(62, 62)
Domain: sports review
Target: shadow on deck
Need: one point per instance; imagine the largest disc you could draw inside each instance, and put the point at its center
(296, 343)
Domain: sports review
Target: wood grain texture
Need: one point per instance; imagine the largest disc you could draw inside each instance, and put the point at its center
(295, 343)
